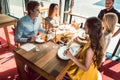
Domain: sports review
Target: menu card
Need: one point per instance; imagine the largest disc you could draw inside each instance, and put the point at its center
(28, 46)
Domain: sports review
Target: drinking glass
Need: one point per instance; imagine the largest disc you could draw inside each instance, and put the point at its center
(44, 37)
(37, 48)
(55, 40)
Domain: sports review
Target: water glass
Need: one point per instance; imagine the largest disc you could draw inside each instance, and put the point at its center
(37, 48)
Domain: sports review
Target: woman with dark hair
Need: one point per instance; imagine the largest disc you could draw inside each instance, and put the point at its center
(52, 21)
(29, 25)
(85, 66)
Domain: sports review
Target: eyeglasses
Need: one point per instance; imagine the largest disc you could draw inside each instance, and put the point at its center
(37, 10)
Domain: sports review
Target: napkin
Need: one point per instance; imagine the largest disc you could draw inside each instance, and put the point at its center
(74, 48)
(28, 46)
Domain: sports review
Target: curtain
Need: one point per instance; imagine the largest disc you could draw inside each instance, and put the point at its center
(26, 1)
(0, 7)
(5, 6)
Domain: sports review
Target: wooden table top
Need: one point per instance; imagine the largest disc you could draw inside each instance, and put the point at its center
(6, 20)
(45, 61)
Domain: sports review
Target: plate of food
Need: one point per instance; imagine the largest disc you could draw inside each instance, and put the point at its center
(50, 36)
(74, 49)
(39, 39)
(62, 27)
(61, 54)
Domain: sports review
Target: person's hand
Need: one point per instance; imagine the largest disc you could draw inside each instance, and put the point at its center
(52, 30)
(49, 30)
(32, 39)
(76, 40)
(80, 40)
(85, 36)
(68, 54)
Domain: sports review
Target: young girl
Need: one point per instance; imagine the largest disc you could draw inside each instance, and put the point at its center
(85, 66)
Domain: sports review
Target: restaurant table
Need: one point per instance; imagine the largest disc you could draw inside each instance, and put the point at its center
(45, 62)
(6, 21)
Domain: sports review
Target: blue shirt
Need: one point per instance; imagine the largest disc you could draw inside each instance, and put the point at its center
(26, 28)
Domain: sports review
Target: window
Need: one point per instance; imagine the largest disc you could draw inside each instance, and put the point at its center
(17, 8)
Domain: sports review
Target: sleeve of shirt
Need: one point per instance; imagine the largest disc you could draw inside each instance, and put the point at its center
(107, 41)
(41, 30)
(100, 15)
(119, 18)
(18, 33)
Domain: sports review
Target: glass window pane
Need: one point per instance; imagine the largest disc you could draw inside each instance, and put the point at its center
(17, 8)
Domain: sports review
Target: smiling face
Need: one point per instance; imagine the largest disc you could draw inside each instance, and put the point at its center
(33, 8)
(36, 11)
(53, 10)
(109, 4)
(109, 22)
(86, 29)
(56, 9)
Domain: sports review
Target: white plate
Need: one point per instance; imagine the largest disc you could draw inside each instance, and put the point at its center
(61, 53)
(61, 27)
(74, 49)
(50, 36)
(28, 46)
(81, 33)
(39, 40)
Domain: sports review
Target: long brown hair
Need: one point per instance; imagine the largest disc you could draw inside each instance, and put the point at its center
(111, 20)
(51, 9)
(95, 33)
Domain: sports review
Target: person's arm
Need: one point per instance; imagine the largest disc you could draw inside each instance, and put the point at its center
(56, 22)
(100, 15)
(88, 59)
(47, 25)
(41, 30)
(19, 32)
(80, 40)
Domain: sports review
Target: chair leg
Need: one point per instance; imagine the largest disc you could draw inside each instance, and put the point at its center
(0, 43)
(4, 59)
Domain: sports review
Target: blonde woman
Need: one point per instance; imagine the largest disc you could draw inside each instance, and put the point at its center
(109, 22)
